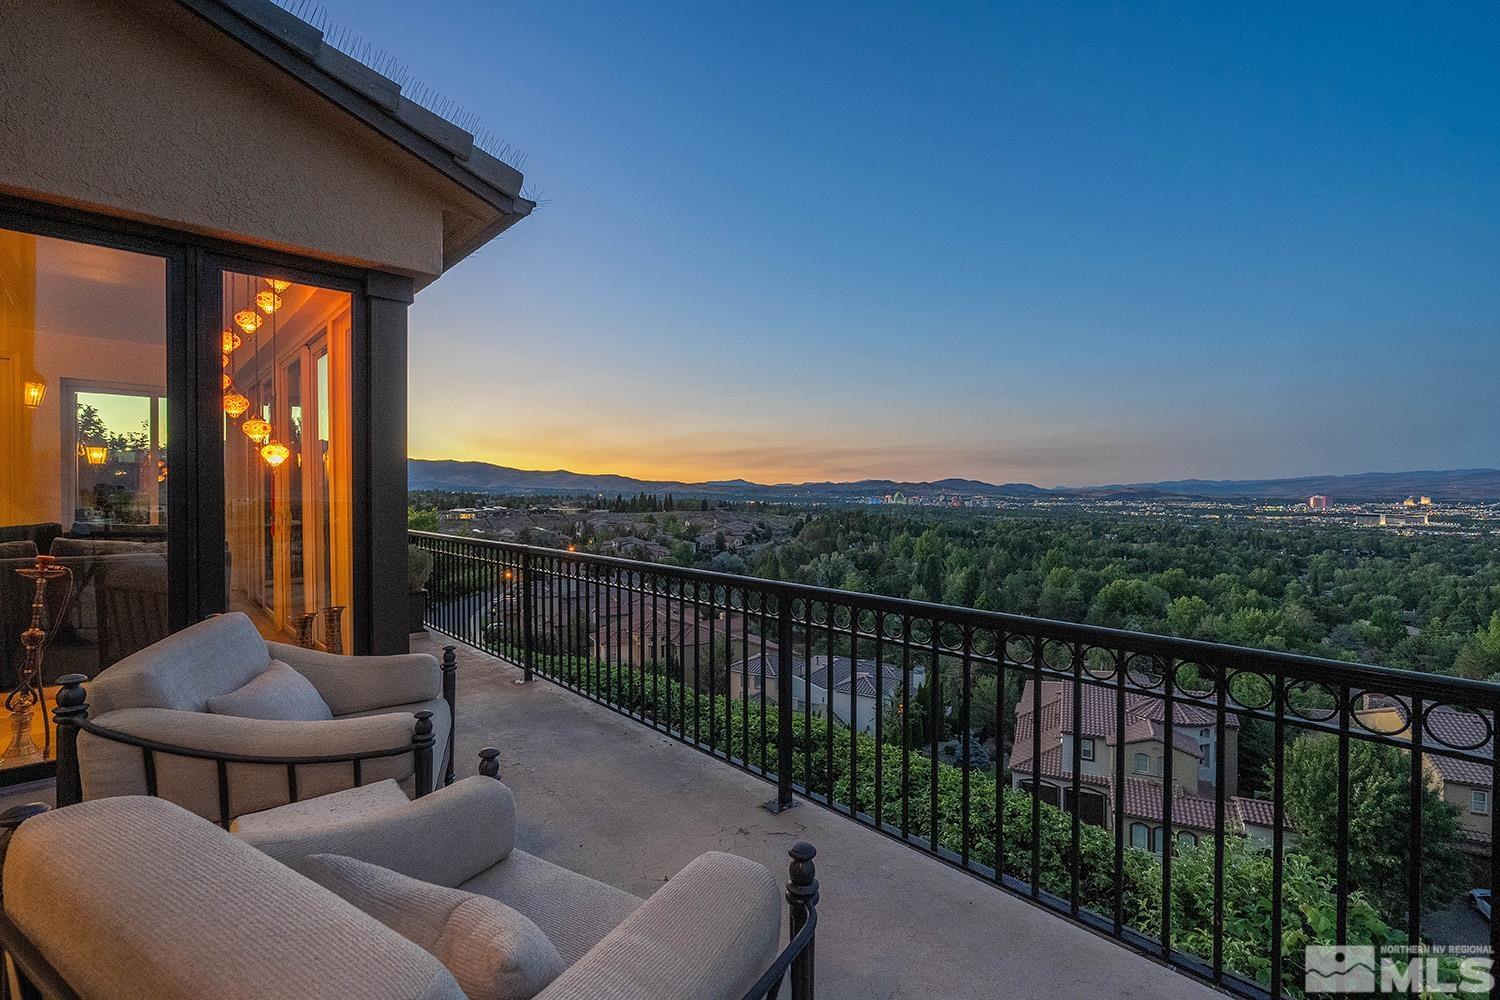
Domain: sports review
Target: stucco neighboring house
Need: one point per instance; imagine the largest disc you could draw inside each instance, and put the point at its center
(1463, 784)
(854, 686)
(1142, 747)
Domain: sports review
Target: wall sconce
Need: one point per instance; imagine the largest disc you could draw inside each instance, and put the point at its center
(33, 393)
(95, 453)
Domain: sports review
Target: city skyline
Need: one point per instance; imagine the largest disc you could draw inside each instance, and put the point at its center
(1061, 245)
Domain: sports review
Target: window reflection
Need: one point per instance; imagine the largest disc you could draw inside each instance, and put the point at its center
(286, 459)
(83, 463)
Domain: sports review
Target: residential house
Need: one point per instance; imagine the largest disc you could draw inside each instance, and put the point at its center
(1463, 784)
(856, 699)
(1142, 746)
(209, 211)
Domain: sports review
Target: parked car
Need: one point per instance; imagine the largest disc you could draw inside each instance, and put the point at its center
(1480, 900)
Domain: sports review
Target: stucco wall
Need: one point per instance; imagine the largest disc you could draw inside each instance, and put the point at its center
(140, 110)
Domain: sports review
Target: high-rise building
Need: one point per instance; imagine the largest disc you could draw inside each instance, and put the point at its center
(1317, 503)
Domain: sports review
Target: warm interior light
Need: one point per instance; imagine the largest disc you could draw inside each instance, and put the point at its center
(95, 453)
(278, 285)
(227, 380)
(231, 341)
(248, 320)
(235, 404)
(34, 393)
(226, 362)
(256, 430)
(274, 453)
(268, 301)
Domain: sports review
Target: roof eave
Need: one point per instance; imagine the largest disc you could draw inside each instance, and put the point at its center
(300, 50)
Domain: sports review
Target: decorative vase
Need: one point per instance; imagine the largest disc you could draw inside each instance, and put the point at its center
(333, 628)
(306, 630)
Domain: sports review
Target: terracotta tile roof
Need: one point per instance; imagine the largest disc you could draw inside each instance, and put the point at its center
(1145, 716)
(1448, 728)
(1143, 798)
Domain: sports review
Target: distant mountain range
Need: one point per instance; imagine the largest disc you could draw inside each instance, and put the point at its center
(482, 477)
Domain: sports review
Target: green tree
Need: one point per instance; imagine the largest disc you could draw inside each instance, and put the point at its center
(1379, 813)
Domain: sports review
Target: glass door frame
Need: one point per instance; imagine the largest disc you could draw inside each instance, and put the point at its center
(195, 484)
(212, 495)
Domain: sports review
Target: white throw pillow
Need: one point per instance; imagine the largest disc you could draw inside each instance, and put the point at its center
(279, 693)
(495, 952)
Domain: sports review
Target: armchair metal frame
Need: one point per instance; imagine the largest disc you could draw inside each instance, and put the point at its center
(71, 718)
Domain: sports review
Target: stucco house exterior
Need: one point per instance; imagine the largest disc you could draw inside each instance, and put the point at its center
(212, 223)
(1143, 744)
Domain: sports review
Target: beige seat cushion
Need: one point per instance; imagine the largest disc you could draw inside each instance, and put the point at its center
(278, 692)
(311, 815)
(573, 910)
(133, 897)
(494, 952)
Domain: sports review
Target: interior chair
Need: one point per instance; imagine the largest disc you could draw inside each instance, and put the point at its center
(222, 722)
(171, 900)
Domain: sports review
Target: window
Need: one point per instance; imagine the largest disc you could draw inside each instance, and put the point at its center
(1086, 749)
(287, 520)
(1479, 802)
(1185, 839)
(1142, 763)
(1091, 805)
(1140, 836)
(83, 462)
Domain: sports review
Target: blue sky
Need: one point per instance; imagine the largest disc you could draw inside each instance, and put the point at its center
(1058, 243)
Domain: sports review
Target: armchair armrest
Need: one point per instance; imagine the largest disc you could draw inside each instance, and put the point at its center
(709, 932)
(364, 683)
(445, 838)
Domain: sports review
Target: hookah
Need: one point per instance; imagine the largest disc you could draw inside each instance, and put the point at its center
(22, 701)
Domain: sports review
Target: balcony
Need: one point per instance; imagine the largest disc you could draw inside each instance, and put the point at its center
(680, 702)
(601, 794)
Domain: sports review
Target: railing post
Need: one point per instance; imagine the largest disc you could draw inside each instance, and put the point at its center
(422, 740)
(72, 706)
(801, 898)
(489, 762)
(528, 623)
(784, 746)
(450, 695)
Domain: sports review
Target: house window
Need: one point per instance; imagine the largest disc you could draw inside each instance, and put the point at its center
(1479, 802)
(1185, 839)
(83, 462)
(1140, 836)
(1086, 749)
(1142, 763)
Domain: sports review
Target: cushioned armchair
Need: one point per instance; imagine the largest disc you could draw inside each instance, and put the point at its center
(711, 932)
(172, 901)
(224, 723)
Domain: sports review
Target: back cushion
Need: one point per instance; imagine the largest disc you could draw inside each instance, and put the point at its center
(495, 952)
(277, 693)
(18, 550)
(155, 902)
(185, 669)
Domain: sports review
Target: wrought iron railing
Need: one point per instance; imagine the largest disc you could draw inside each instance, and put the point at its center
(1033, 753)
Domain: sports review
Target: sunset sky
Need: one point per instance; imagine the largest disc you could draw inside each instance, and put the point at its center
(1054, 243)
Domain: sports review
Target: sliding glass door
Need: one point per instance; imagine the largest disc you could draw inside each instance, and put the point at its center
(287, 458)
(84, 470)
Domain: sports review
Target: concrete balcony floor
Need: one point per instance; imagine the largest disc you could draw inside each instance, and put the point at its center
(604, 795)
